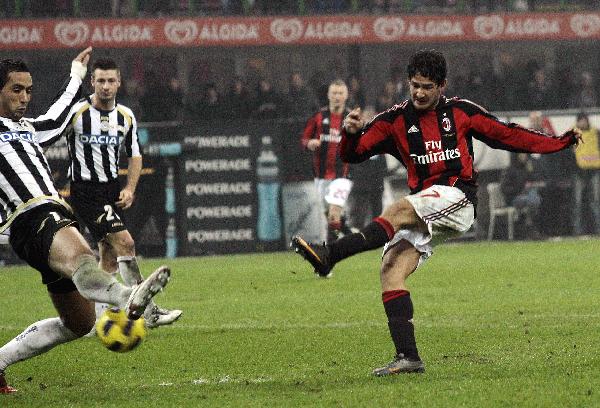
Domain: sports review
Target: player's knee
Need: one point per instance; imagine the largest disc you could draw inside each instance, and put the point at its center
(123, 244)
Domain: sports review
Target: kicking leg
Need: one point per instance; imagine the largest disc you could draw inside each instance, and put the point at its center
(71, 257)
(120, 247)
(400, 215)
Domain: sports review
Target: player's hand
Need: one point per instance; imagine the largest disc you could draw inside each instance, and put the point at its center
(79, 64)
(313, 144)
(574, 133)
(125, 199)
(84, 56)
(353, 123)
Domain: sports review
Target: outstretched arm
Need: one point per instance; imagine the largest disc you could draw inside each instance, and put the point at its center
(515, 138)
(50, 125)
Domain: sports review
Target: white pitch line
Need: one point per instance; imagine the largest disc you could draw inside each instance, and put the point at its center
(456, 321)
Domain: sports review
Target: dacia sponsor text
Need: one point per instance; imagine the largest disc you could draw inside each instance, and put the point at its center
(99, 139)
(22, 136)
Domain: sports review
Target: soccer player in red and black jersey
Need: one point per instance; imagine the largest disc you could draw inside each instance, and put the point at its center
(322, 136)
(432, 136)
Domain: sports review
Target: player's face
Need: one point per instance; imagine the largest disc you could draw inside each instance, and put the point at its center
(106, 83)
(15, 95)
(424, 93)
(337, 95)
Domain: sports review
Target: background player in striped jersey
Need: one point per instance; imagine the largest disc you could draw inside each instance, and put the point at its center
(431, 135)
(98, 128)
(42, 227)
(322, 135)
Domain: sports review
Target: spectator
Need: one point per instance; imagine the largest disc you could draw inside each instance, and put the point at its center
(49, 8)
(268, 102)
(540, 92)
(555, 170)
(585, 95)
(152, 99)
(238, 102)
(92, 8)
(154, 7)
(211, 106)
(519, 185)
(173, 97)
(301, 102)
(327, 6)
(130, 95)
(506, 83)
(387, 98)
(586, 179)
(356, 97)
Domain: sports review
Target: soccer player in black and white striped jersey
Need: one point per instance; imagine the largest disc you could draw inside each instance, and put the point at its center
(98, 127)
(43, 229)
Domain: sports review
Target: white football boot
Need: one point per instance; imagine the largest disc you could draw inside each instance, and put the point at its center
(156, 316)
(142, 294)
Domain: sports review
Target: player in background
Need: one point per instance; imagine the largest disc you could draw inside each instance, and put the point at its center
(432, 136)
(43, 230)
(321, 136)
(97, 129)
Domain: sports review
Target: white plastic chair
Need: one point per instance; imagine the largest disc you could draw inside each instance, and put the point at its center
(498, 208)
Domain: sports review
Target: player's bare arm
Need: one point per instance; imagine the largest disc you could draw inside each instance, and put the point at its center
(127, 194)
(353, 123)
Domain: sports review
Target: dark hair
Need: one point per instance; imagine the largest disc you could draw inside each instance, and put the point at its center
(429, 63)
(10, 65)
(582, 115)
(104, 64)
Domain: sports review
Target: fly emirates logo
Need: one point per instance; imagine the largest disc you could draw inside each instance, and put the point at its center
(435, 153)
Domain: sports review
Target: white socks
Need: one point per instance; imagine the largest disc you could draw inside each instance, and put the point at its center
(129, 270)
(36, 339)
(97, 285)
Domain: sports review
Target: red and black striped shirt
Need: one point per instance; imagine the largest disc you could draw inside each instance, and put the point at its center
(326, 126)
(436, 146)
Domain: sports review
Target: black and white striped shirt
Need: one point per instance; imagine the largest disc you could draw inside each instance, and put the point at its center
(25, 177)
(95, 137)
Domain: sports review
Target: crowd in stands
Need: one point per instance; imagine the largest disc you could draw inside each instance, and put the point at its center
(506, 86)
(144, 8)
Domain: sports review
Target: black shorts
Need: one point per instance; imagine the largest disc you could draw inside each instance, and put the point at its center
(94, 204)
(31, 235)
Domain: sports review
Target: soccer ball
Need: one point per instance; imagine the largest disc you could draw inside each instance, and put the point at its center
(119, 333)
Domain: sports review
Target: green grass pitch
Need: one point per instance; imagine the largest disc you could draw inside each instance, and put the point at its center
(497, 324)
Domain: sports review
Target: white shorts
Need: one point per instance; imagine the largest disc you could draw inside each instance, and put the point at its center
(334, 192)
(447, 213)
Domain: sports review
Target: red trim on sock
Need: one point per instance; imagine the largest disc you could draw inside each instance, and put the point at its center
(393, 294)
(335, 225)
(389, 229)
